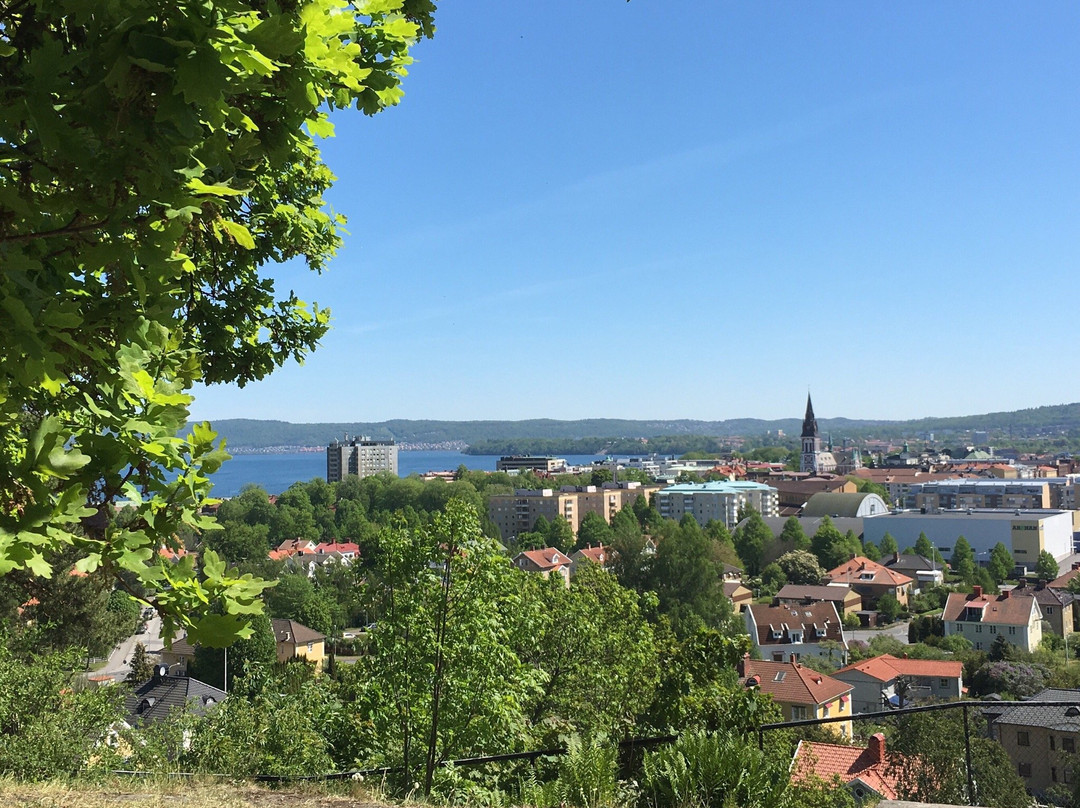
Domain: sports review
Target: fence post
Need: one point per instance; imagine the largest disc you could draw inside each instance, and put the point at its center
(967, 752)
(761, 739)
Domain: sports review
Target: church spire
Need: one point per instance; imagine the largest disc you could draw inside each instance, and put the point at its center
(809, 424)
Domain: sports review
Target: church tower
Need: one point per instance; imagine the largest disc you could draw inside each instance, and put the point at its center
(811, 439)
(815, 459)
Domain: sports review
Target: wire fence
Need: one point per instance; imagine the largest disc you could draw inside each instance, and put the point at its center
(963, 752)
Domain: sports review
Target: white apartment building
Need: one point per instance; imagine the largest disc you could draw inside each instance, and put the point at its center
(360, 456)
(720, 501)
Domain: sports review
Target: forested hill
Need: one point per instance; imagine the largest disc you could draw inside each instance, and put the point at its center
(594, 433)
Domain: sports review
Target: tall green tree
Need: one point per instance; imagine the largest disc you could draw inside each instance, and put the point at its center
(889, 545)
(594, 531)
(793, 537)
(158, 159)
(442, 679)
(751, 538)
(963, 560)
(1001, 563)
(1046, 567)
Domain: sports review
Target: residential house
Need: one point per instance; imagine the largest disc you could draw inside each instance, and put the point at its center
(846, 599)
(1056, 606)
(982, 618)
(800, 692)
(732, 573)
(178, 654)
(1042, 742)
(925, 571)
(781, 632)
(739, 595)
(888, 681)
(297, 640)
(546, 561)
(600, 556)
(865, 770)
(156, 698)
(871, 580)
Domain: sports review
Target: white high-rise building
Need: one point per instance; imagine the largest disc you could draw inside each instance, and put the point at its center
(360, 456)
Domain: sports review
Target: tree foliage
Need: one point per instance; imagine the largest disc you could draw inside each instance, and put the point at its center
(155, 160)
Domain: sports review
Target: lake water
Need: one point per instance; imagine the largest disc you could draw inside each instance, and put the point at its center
(276, 472)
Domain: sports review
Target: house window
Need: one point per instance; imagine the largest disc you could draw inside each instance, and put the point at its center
(1022, 738)
(978, 629)
(1068, 744)
(1012, 629)
(943, 683)
(798, 713)
(993, 629)
(1053, 773)
(1025, 769)
(1049, 609)
(1051, 743)
(310, 647)
(825, 711)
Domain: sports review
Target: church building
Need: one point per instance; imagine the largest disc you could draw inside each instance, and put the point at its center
(816, 459)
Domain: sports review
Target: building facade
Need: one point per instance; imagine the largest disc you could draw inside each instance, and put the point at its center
(362, 457)
(1024, 532)
(516, 463)
(517, 513)
(719, 501)
(982, 618)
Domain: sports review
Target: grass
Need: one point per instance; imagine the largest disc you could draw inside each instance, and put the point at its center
(188, 793)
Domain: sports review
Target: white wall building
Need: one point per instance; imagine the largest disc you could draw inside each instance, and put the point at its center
(1024, 532)
(718, 501)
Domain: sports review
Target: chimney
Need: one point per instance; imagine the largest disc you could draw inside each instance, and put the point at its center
(1005, 594)
(1076, 565)
(742, 664)
(896, 556)
(876, 748)
(976, 591)
(794, 658)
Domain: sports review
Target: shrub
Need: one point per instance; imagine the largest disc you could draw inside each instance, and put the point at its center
(713, 771)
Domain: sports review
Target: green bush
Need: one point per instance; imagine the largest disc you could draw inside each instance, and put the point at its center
(714, 771)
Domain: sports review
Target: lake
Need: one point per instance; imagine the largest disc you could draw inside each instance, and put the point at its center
(276, 472)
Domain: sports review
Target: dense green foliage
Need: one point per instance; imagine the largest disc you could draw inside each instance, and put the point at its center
(156, 159)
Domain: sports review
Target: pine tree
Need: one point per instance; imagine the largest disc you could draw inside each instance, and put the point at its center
(141, 667)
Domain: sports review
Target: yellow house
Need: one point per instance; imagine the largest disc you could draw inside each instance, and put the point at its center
(297, 640)
(802, 693)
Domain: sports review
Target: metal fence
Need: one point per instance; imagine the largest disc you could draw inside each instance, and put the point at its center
(963, 752)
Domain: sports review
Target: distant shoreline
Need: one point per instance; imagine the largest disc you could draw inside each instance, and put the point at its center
(447, 446)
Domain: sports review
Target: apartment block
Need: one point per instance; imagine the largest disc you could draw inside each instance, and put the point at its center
(720, 501)
(360, 456)
(517, 513)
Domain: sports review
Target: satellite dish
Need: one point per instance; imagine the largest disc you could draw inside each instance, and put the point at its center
(162, 671)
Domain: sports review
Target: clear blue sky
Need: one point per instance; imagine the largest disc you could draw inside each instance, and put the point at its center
(674, 209)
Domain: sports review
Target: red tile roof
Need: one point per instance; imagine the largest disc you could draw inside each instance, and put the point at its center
(849, 763)
(343, 547)
(792, 683)
(1064, 581)
(886, 667)
(852, 572)
(600, 556)
(546, 559)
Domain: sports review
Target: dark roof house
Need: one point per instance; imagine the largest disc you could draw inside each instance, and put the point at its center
(162, 694)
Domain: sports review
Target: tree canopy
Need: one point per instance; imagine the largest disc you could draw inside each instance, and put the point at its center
(156, 159)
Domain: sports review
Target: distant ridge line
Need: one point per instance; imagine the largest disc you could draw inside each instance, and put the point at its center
(245, 433)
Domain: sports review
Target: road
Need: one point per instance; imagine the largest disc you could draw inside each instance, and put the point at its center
(118, 665)
(898, 630)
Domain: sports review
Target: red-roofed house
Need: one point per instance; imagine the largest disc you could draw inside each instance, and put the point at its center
(739, 595)
(874, 681)
(801, 692)
(872, 580)
(348, 550)
(981, 618)
(864, 770)
(780, 632)
(600, 556)
(546, 561)
(293, 546)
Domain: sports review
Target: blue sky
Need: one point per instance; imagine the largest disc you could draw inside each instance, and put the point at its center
(674, 209)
